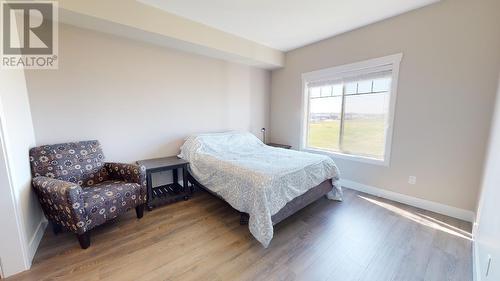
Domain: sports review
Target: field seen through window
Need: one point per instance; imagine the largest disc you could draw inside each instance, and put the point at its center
(363, 137)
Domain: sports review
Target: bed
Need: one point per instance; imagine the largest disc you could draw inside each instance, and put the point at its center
(267, 183)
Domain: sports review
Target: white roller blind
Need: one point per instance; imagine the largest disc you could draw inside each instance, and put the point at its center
(346, 77)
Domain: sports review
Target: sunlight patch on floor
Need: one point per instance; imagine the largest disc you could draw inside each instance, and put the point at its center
(422, 219)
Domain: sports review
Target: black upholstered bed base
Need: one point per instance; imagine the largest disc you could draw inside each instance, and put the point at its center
(291, 207)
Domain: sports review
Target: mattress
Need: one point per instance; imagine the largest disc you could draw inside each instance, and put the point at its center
(255, 178)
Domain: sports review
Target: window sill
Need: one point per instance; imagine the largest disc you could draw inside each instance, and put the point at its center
(368, 160)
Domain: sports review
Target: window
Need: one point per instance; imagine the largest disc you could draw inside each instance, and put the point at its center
(348, 110)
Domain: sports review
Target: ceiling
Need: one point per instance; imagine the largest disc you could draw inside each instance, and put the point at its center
(286, 24)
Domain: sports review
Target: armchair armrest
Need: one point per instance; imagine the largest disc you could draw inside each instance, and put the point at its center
(62, 202)
(129, 173)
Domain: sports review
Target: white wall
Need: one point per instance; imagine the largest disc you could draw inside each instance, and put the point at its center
(12, 244)
(487, 228)
(447, 84)
(12, 241)
(141, 100)
(21, 218)
(19, 137)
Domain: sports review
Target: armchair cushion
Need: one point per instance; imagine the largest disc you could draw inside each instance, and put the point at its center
(128, 173)
(62, 202)
(108, 199)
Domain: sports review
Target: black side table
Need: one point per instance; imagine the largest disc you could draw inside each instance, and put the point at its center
(169, 193)
(285, 146)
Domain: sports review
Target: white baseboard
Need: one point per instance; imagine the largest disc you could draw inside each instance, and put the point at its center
(439, 208)
(36, 238)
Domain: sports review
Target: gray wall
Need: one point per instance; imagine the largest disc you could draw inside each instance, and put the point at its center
(138, 99)
(446, 90)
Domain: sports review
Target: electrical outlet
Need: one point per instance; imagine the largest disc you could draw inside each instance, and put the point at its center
(488, 266)
(412, 180)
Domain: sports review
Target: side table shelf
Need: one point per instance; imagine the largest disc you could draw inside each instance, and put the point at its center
(164, 194)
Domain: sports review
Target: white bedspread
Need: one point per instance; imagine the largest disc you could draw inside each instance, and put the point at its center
(255, 178)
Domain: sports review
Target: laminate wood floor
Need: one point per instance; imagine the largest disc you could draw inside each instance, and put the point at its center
(362, 238)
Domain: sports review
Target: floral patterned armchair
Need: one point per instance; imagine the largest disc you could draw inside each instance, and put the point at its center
(79, 191)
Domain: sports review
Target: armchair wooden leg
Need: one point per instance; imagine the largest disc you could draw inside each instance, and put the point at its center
(84, 240)
(56, 228)
(140, 211)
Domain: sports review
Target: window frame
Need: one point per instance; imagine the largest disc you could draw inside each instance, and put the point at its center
(357, 68)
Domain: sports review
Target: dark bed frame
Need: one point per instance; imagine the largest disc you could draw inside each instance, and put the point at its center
(289, 209)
